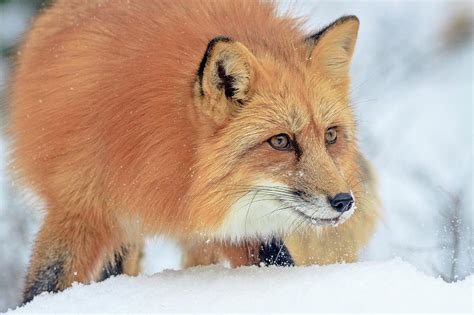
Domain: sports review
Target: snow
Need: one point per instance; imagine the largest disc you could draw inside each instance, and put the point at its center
(362, 287)
(14, 19)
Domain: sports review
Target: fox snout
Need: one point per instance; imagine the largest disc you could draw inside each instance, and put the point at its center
(324, 195)
(342, 202)
(323, 209)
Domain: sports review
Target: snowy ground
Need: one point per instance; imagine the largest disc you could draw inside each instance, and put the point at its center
(361, 287)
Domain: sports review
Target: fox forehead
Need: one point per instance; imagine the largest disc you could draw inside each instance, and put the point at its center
(294, 107)
(292, 96)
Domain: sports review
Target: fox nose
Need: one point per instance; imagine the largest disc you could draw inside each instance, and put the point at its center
(341, 202)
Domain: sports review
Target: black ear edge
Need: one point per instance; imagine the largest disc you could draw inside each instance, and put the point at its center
(312, 39)
(205, 58)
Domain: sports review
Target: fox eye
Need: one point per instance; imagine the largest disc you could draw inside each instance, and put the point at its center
(281, 142)
(331, 135)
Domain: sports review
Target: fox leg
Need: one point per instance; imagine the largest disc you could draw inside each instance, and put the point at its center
(200, 253)
(268, 253)
(133, 259)
(69, 248)
(248, 253)
(126, 260)
(244, 254)
(273, 252)
(334, 245)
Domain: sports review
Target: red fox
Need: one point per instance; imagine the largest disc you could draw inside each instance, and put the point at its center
(191, 119)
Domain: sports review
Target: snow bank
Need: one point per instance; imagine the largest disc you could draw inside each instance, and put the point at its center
(392, 286)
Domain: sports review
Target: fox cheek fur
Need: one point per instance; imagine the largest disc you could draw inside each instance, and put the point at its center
(152, 123)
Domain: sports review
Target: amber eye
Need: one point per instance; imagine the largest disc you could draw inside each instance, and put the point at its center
(280, 142)
(331, 135)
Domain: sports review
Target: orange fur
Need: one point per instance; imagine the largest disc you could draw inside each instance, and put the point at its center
(113, 130)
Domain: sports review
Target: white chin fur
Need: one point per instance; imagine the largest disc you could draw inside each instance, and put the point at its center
(255, 215)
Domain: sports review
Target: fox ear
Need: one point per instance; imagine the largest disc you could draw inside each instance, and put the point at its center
(331, 48)
(225, 76)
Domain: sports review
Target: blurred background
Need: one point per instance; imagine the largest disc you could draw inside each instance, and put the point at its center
(412, 93)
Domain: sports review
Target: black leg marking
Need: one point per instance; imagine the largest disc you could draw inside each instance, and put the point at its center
(45, 280)
(275, 253)
(115, 267)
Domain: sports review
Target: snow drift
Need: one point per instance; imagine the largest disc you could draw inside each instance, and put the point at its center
(392, 286)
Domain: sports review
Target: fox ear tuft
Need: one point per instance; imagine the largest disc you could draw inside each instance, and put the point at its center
(331, 49)
(225, 75)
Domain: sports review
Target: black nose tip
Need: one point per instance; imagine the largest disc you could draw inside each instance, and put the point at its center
(341, 202)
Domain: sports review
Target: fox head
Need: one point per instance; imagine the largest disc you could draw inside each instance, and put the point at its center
(277, 148)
